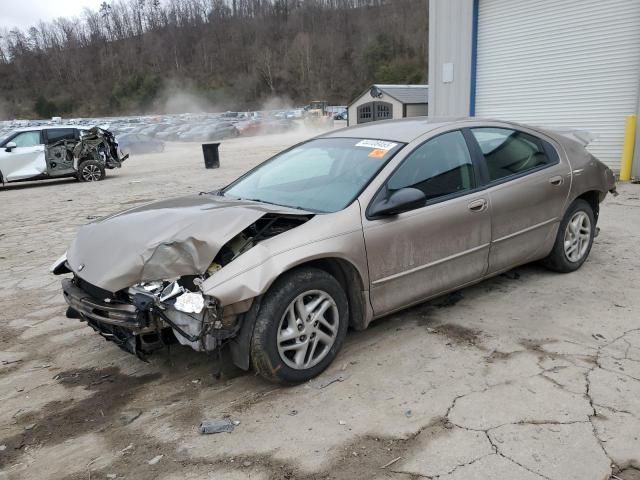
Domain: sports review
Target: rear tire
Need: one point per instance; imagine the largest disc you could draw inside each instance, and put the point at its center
(90, 171)
(574, 239)
(301, 326)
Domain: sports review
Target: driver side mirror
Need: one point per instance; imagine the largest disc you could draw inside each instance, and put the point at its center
(399, 201)
(10, 146)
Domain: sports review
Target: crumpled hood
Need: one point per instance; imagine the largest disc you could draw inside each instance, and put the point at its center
(161, 240)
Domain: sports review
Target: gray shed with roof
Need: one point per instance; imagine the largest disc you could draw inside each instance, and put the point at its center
(384, 102)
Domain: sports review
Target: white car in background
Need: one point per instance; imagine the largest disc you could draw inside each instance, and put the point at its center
(43, 152)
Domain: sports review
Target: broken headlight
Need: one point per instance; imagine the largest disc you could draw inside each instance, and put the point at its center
(179, 304)
(180, 294)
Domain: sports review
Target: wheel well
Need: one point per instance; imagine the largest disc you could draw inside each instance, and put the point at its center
(593, 199)
(350, 280)
(342, 270)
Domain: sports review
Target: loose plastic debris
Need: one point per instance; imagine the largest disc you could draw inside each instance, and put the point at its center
(190, 302)
(216, 426)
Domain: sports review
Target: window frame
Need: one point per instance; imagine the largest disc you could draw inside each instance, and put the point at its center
(15, 134)
(365, 117)
(478, 176)
(382, 110)
(550, 151)
(46, 134)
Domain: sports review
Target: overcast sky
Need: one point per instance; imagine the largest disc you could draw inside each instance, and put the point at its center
(26, 13)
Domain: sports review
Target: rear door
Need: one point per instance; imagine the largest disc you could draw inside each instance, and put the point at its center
(26, 160)
(59, 159)
(437, 246)
(527, 183)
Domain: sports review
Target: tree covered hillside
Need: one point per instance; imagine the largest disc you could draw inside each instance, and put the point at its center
(140, 56)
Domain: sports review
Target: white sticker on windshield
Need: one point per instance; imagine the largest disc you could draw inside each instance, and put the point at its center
(378, 144)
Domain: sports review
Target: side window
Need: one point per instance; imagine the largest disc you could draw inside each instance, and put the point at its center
(56, 134)
(442, 166)
(509, 152)
(27, 139)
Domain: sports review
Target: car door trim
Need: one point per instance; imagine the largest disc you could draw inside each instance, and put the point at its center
(525, 230)
(429, 265)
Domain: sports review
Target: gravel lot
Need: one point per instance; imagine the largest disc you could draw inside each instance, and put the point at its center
(531, 375)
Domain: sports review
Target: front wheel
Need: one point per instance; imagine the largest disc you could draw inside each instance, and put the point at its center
(574, 239)
(300, 327)
(90, 171)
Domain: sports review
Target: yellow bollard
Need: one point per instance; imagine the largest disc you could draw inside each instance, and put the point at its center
(627, 149)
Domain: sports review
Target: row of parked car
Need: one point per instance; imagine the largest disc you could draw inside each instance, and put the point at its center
(147, 133)
(34, 149)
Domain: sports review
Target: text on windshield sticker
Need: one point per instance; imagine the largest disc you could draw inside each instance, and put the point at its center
(378, 144)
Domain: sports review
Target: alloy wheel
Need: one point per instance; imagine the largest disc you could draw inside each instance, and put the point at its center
(308, 329)
(91, 173)
(577, 236)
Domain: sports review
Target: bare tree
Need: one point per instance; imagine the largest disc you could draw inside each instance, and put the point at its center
(118, 57)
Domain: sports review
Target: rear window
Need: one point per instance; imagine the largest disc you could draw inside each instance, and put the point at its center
(56, 134)
(511, 152)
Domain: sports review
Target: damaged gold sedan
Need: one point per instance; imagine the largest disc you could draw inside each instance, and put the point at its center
(333, 233)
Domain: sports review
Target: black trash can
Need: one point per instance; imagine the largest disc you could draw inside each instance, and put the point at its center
(211, 155)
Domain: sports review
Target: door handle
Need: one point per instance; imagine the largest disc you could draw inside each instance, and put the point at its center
(479, 205)
(557, 180)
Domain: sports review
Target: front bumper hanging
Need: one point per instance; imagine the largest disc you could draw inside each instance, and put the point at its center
(112, 313)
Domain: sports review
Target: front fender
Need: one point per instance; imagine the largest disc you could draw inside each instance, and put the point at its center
(254, 272)
(334, 235)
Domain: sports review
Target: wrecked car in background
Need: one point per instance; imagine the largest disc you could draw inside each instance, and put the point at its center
(39, 153)
(335, 232)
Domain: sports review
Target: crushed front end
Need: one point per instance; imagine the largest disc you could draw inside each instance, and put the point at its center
(148, 316)
(99, 144)
(138, 277)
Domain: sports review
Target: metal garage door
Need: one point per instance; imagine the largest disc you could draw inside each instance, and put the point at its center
(569, 63)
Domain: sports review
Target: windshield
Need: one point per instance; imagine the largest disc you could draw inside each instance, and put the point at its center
(322, 175)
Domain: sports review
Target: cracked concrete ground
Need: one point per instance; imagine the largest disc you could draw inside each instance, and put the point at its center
(531, 375)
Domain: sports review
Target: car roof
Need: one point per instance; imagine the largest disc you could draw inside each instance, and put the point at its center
(406, 129)
(49, 127)
(401, 130)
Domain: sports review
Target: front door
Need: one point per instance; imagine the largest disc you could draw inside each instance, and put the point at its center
(435, 247)
(58, 152)
(26, 160)
(528, 184)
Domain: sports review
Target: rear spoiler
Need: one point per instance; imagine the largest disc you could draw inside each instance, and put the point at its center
(583, 137)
